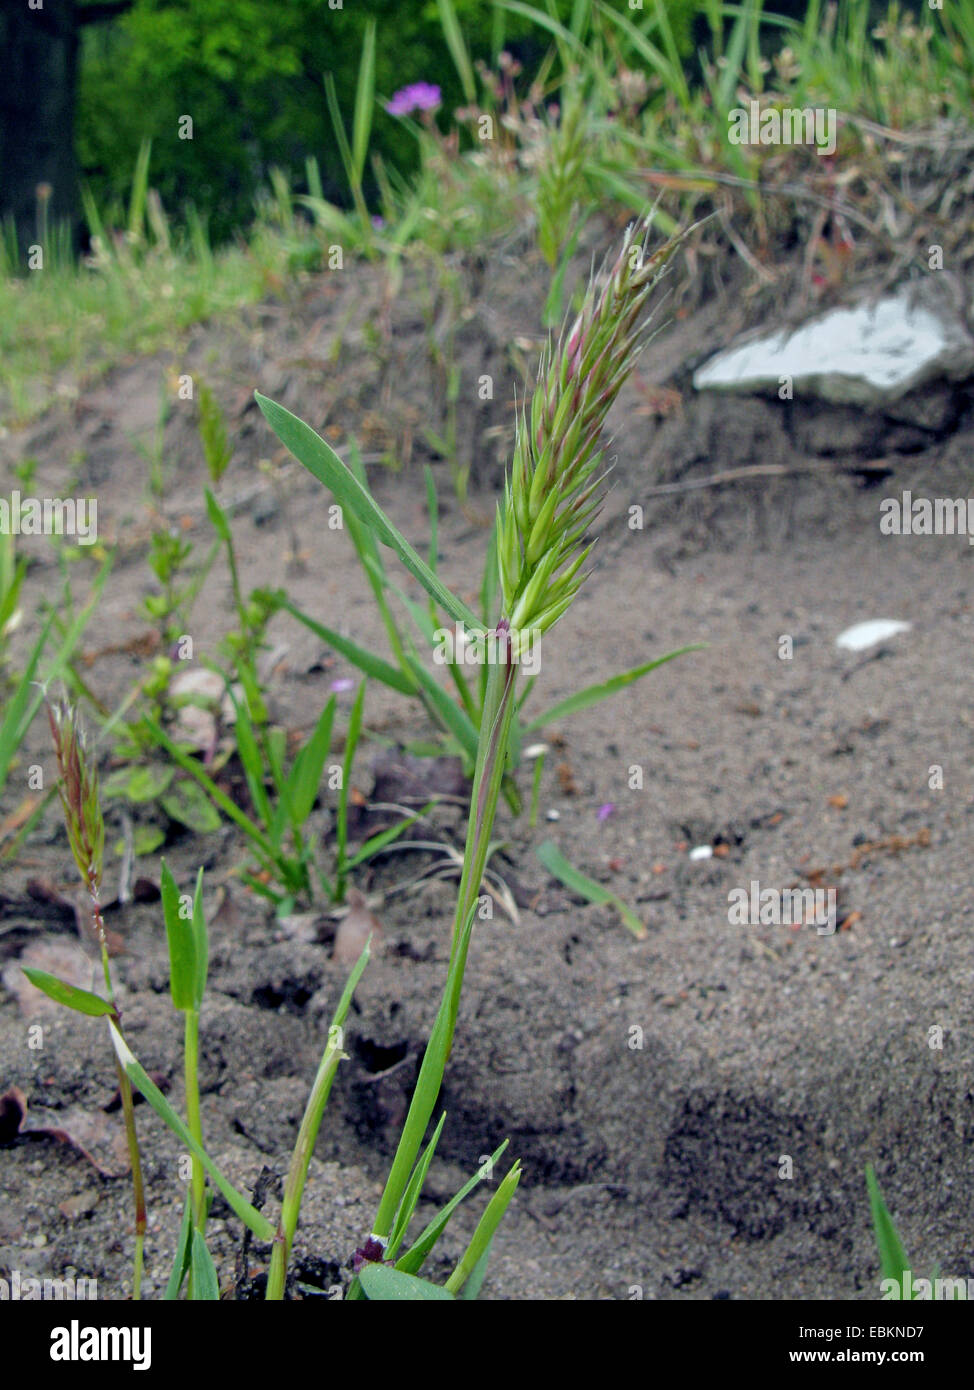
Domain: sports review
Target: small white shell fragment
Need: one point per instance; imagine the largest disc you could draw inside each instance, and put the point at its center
(862, 635)
(552, 815)
(702, 852)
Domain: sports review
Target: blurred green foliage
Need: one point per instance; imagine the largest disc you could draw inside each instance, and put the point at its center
(249, 74)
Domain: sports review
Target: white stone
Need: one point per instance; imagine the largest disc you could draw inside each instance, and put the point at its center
(862, 635)
(864, 355)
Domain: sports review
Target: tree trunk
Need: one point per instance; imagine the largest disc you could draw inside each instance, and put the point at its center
(38, 174)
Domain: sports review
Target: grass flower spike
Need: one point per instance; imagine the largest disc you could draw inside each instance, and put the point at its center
(78, 790)
(554, 489)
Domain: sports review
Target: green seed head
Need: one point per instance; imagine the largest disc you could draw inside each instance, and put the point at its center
(554, 490)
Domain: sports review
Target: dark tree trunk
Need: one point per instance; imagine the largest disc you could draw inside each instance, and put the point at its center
(40, 48)
(38, 170)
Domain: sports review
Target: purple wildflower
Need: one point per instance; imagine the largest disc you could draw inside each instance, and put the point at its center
(605, 810)
(343, 683)
(418, 96)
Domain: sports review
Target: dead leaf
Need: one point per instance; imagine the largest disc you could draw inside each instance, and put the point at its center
(97, 1137)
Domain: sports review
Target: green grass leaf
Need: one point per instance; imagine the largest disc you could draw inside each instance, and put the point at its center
(415, 1256)
(251, 762)
(322, 461)
(180, 1264)
(206, 1286)
(341, 824)
(200, 939)
(366, 661)
(456, 43)
(82, 1001)
(479, 1247)
(412, 1194)
(425, 1094)
(26, 698)
(305, 776)
(381, 1282)
(587, 888)
(592, 694)
(364, 103)
(182, 943)
(248, 1214)
(893, 1260)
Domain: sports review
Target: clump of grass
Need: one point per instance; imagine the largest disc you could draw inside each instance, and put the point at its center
(552, 496)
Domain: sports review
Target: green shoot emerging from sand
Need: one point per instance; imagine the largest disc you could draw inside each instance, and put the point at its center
(552, 496)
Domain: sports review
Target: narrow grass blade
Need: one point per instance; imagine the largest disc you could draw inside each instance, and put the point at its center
(181, 1262)
(592, 694)
(305, 777)
(424, 1096)
(456, 43)
(251, 762)
(479, 1246)
(587, 888)
(893, 1259)
(367, 662)
(378, 842)
(321, 460)
(308, 1133)
(182, 943)
(200, 940)
(412, 1194)
(82, 1001)
(248, 1214)
(415, 1256)
(351, 743)
(474, 1284)
(206, 1286)
(553, 26)
(140, 188)
(447, 712)
(364, 103)
(26, 698)
(672, 74)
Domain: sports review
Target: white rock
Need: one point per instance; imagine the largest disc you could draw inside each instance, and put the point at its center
(862, 635)
(864, 355)
(194, 724)
(701, 852)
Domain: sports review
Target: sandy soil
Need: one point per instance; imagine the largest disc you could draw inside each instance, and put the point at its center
(653, 1089)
